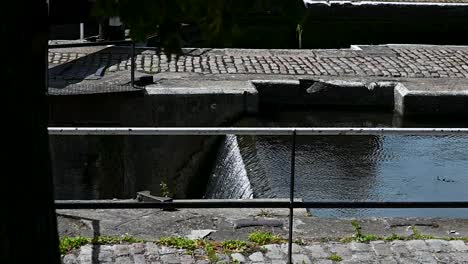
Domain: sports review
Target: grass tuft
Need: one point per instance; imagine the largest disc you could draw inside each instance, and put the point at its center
(335, 257)
(262, 238)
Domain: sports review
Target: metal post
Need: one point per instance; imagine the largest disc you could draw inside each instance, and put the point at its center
(47, 69)
(81, 31)
(291, 195)
(132, 65)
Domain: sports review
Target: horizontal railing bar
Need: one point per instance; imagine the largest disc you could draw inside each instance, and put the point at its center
(300, 131)
(89, 44)
(254, 204)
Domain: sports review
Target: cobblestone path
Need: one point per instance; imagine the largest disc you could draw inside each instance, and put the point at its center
(413, 251)
(410, 61)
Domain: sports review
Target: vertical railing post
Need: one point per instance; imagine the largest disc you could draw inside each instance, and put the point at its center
(132, 64)
(291, 195)
(47, 68)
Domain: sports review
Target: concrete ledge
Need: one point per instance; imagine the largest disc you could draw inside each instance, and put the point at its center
(419, 103)
(316, 92)
(406, 98)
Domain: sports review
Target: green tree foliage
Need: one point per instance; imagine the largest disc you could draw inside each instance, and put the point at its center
(222, 23)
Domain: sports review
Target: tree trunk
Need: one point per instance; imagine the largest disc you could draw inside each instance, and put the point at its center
(28, 232)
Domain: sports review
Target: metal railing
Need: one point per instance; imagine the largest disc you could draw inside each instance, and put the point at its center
(95, 44)
(291, 204)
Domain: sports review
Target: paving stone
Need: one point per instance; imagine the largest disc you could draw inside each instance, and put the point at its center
(459, 257)
(223, 258)
(170, 258)
(438, 245)
(139, 259)
(340, 249)
(416, 245)
(402, 61)
(317, 251)
(151, 249)
(388, 260)
(458, 245)
(424, 257)
(167, 250)
(355, 246)
(399, 247)
(137, 248)
(70, 259)
(437, 251)
(381, 248)
(123, 260)
(238, 257)
(278, 261)
(300, 259)
(187, 259)
(362, 257)
(121, 250)
(323, 261)
(295, 248)
(105, 255)
(85, 258)
(86, 250)
(256, 257)
(273, 251)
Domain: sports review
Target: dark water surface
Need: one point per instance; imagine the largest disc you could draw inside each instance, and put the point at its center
(359, 168)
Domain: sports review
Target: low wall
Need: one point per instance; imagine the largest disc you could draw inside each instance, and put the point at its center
(92, 167)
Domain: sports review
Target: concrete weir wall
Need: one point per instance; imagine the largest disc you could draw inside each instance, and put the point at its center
(92, 167)
(103, 167)
(406, 98)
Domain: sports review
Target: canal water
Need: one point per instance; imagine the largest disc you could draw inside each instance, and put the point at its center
(346, 168)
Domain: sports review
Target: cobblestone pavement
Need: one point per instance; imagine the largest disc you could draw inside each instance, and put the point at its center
(413, 251)
(399, 61)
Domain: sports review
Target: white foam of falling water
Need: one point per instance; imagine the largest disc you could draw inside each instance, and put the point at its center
(229, 179)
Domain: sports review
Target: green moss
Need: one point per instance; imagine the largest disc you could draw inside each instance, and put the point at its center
(178, 242)
(262, 238)
(335, 257)
(235, 245)
(69, 243)
(394, 237)
(417, 235)
(210, 252)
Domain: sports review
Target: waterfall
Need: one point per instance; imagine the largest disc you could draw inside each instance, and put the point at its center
(229, 178)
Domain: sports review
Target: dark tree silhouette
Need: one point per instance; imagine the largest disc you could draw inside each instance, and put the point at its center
(28, 232)
(222, 23)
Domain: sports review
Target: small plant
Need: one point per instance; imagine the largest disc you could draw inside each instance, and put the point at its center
(234, 245)
(417, 235)
(394, 237)
(335, 257)
(264, 250)
(106, 240)
(299, 31)
(300, 242)
(210, 251)
(265, 213)
(164, 189)
(69, 243)
(178, 242)
(362, 238)
(262, 238)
